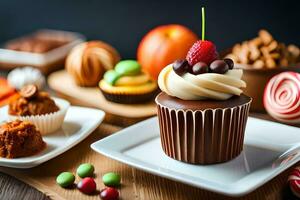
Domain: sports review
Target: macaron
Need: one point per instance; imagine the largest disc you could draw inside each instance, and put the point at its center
(128, 68)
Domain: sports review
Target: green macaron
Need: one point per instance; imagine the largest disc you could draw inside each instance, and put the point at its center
(111, 77)
(128, 68)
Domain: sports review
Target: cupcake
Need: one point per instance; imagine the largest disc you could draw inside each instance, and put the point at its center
(88, 61)
(201, 110)
(38, 107)
(20, 139)
(127, 84)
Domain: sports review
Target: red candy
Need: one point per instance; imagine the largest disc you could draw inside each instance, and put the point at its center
(87, 185)
(109, 193)
(294, 181)
(202, 51)
(282, 97)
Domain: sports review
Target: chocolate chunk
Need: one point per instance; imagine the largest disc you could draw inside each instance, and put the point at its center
(181, 67)
(229, 62)
(199, 68)
(219, 67)
(29, 91)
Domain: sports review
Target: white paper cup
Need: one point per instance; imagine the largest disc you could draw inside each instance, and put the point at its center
(47, 123)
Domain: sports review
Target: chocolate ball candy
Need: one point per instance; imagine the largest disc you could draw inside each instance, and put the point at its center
(87, 185)
(85, 170)
(199, 68)
(111, 179)
(65, 179)
(29, 91)
(180, 67)
(109, 194)
(219, 67)
(229, 62)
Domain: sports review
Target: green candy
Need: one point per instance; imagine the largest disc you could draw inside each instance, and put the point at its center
(85, 170)
(111, 179)
(111, 77)
(65, 179)
(128, 68)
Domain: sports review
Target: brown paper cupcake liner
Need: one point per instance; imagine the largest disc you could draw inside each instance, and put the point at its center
(129, 98)
(203, 137)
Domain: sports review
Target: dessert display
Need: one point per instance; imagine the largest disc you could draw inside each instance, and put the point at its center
(87, 62)
(262, 58)
(294, 181)
(44, 49)
(265, 52)
(163, 45)
(282, 97)
(21, 77)
(7, 92)
(20, 139)
(39, 108)
(201, 110)
(37, 43)
(127, 84)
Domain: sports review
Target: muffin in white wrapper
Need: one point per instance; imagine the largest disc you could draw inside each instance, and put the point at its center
(47, 123)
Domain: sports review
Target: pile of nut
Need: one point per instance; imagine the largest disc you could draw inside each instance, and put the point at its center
(265, 52)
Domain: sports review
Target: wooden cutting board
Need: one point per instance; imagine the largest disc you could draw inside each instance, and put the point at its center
(63, 83)
(136, 184)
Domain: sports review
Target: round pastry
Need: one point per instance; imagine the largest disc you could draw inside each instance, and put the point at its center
(294, 181)
(20, 77)
(45, 113)
(127, 84)
(282, 97)
(88, 61)
(20, 139)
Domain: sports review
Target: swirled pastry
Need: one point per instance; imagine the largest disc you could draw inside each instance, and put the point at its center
(88, 61)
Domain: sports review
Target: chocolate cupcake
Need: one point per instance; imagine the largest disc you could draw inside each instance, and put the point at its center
(128, 84)
(201, 110)
(37, 107)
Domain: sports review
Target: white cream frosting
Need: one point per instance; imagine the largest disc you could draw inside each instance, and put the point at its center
(202, 86)
(20, 77)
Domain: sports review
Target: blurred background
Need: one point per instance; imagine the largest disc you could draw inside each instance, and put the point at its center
(123, 23)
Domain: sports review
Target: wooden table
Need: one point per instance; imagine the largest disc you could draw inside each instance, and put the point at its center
(136, 184)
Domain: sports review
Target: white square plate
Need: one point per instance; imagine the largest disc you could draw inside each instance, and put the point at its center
(269, 149)
(78, 124)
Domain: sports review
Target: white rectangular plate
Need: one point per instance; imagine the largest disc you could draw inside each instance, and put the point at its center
(78, 124)
(269, 149)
